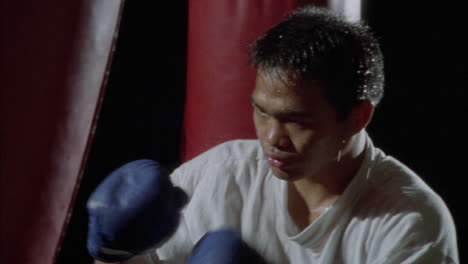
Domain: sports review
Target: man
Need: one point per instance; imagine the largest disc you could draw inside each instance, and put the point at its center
(313, 188)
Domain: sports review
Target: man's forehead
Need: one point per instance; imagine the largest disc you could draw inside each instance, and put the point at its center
(276, 77)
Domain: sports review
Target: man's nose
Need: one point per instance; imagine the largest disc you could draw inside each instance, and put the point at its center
(276, 135)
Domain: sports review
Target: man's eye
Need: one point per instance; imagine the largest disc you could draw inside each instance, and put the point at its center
(301, 123)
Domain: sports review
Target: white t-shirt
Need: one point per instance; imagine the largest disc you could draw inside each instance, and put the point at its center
(387, 214)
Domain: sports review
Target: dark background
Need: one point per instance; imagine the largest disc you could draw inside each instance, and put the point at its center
(421, 121)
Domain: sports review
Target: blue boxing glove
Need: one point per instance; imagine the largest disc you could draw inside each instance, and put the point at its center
(223, 247)
(135, 208)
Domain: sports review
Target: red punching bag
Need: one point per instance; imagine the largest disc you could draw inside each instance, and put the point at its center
(53, 60)
(219, 77)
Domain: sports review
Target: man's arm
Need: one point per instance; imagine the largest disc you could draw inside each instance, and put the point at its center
(139, 259)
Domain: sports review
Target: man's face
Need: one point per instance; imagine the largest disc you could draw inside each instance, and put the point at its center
(296, 126)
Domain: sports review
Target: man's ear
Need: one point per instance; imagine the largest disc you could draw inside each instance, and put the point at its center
(361, 116)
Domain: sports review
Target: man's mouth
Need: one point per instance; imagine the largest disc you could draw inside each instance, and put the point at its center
(275, 162)
(278, 159)
(278, 162)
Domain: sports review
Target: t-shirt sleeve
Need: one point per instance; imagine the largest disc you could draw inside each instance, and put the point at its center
(179, 246)
(212, 183)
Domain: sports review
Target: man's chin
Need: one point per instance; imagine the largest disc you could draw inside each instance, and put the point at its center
(285, 175)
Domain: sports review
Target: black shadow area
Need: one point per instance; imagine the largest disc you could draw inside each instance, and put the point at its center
(141, 115)
(423, 116)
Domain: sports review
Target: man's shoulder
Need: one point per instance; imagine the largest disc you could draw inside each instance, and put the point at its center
(394, 176)
(397, 192)
(398, 209)
(228, 160)
(239, 149)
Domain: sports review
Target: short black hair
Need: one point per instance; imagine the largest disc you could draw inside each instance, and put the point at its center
(314, 43)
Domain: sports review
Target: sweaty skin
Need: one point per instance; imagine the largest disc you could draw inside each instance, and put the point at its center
(305, 143)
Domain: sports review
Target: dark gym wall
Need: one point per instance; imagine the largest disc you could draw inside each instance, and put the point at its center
(423, 116)
(421, 120)
(141, 114)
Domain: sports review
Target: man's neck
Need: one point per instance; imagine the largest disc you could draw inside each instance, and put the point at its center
(309, 197)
